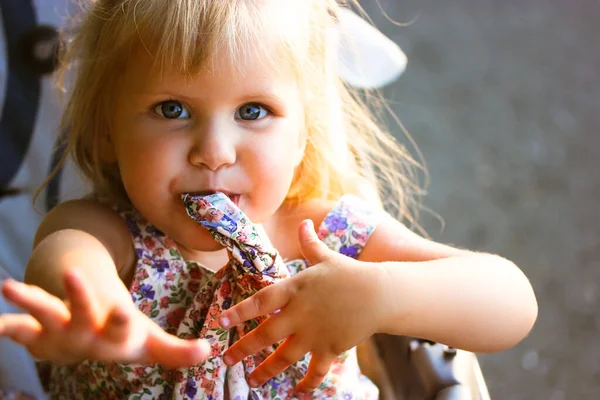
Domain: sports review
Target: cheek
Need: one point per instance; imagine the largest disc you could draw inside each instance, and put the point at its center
(145, 160)
(281, 153)
(270, 165)
(276, 167)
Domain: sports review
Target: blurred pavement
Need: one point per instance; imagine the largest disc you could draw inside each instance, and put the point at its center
(503, 99)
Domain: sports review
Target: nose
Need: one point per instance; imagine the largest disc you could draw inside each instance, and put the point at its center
(213, 148)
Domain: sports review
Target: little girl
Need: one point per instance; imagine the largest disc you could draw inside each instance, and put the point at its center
(192, 118)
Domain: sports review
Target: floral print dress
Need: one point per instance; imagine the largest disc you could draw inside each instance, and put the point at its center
(185, 299)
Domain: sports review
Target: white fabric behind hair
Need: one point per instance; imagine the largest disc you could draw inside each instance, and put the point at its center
(367, 58)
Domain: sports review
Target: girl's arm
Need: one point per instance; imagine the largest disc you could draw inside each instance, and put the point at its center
(79, 307)
(89, 237)
(473, 301)
(476, 302)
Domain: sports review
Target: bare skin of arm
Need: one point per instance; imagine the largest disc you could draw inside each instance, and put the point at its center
(475, 301)
(77, 299)
(89, 237)
(439, 292)
(402, 284)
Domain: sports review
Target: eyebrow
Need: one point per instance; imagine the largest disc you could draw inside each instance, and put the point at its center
(261, 94)
(266, 94)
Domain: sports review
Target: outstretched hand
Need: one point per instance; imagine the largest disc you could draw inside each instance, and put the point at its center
(325, 310)
(80, 328)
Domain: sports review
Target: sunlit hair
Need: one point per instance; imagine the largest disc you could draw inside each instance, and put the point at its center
(346, 151)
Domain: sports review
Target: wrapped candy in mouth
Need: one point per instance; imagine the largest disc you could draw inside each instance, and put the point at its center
(213, 211)
(234, 197)
(230, 227)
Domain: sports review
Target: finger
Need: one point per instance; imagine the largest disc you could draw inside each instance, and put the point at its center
(267, 300)
(312, 248)
(273, 330)
(173, 352)
(286, 354)
(318, 368)
(83, 308)
(22, 328)
(118, 325)
(49, 310)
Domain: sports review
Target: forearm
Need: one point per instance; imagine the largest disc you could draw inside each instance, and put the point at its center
(70, 248)
(478, 302)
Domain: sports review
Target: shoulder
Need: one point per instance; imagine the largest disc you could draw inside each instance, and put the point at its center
(94, 218)
(283, 230)
(348, 206)
(383, 237)
(315, 209)
(343, 225)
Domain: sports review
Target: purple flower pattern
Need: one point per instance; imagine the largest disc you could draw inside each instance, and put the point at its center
(171, 303)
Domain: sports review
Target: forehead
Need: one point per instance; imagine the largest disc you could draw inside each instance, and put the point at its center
(223, 77)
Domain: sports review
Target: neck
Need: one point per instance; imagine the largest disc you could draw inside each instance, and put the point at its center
(212, 260)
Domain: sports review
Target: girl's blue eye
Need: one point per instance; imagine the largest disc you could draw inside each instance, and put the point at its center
(251, 112)
(172, 109)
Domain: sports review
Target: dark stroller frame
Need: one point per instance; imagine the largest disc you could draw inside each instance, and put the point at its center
(407, 368)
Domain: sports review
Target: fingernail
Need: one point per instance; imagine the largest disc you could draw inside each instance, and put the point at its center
(224, 321)
(120, 316)
(72, 274)
(205, 346)
(310, 225)
(228, 359)
(252, 382)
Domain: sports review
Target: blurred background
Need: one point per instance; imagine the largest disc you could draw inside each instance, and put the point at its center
(503, 100)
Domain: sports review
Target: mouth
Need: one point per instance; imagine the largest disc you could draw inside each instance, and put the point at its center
(234, 197)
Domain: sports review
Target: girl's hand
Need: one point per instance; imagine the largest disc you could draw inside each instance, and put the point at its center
(325, 310)
(75, 330)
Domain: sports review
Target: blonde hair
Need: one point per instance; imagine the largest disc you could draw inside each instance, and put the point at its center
(346, 150)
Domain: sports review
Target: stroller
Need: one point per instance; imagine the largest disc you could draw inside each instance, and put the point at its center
(403, 368)
(407, 368)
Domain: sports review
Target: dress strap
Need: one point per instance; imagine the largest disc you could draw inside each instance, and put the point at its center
(348, 226)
